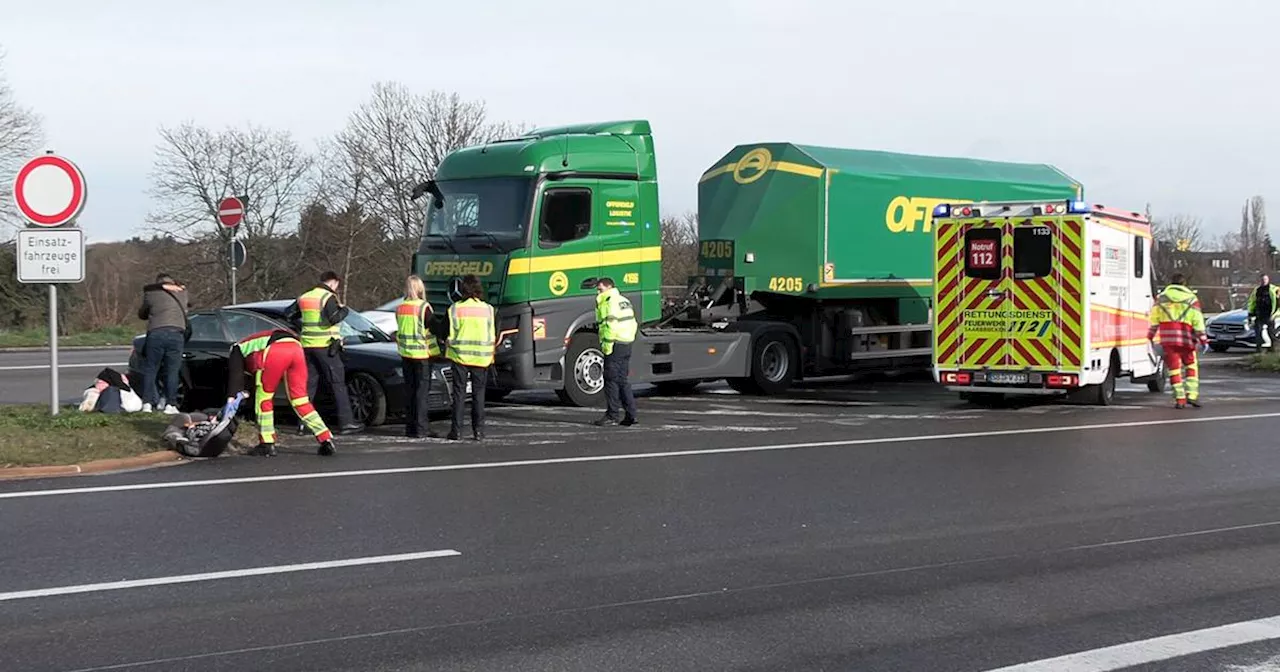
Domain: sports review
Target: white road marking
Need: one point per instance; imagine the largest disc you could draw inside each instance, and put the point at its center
(232, 574)
(1159, 648)
(37, 367)
(955, 436)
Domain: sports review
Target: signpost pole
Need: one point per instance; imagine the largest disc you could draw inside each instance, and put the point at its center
(53, 349)
(232, 253)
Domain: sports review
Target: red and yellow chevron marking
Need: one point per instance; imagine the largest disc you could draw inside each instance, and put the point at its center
(985, 351)
(1069, 269)
(948, 268)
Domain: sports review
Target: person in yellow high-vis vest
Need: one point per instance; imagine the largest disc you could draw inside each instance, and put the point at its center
(616, 320)
(470, 348)
(417, 346)
(318, 314)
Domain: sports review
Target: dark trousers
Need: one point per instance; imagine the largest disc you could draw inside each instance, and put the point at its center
(1260, 325)
(479, 377)
(417, 378)
(162, 349)
(617, 387)
(322, 365)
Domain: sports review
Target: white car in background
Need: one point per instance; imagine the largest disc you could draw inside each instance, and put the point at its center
(384, 317)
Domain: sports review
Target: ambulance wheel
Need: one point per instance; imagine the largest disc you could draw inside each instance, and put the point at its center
(1156, 383)
(583, 372)
(1104, 393)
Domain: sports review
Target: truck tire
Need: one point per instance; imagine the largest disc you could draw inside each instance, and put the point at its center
(773, 365)
(583, 372)
(676, 388)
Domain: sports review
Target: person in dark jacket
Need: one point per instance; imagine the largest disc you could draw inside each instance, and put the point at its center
(164, 307)
(318, 314)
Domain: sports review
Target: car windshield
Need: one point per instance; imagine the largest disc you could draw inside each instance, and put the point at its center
(358, 329)
(481, 213)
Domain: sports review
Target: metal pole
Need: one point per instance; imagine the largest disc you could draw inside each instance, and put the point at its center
(53, 349)
(231, 252)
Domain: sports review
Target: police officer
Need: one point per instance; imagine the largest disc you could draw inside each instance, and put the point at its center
(417, 347)
(1264, 306)
(470, 347)
(617, 324)
(1176, 318)
(318, 312)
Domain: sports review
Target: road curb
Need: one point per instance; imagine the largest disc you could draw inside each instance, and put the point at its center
(93, 467)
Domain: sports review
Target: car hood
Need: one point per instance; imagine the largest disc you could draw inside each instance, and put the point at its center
(1232, 316)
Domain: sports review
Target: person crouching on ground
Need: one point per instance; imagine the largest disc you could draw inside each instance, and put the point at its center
(271, 356)
(417, 346)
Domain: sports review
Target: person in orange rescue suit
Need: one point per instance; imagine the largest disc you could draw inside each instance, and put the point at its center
(1177, 320)
(271, 356)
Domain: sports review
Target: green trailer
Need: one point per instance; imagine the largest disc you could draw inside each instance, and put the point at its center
(813, 261)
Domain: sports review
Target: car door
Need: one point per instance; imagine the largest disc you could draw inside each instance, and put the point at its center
(204, 360)
(241, 324)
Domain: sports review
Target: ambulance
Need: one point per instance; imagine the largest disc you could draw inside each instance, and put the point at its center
(1042, 298)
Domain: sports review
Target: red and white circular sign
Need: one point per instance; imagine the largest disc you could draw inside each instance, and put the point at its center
(49, 191)
(230, 212)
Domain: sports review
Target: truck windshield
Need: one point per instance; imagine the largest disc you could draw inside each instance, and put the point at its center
(481, 213)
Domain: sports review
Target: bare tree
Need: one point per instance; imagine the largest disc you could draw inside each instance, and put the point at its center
(394, 141)
(679, 248)
(1254, 242)
(196, 168)
(20, 137)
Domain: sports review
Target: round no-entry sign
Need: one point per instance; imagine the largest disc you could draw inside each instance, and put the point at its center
(230, 212)
(49, 191)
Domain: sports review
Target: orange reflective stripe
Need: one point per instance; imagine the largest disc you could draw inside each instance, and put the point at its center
(461, 310)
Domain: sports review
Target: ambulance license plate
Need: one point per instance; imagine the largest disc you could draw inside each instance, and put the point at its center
(1002, 378)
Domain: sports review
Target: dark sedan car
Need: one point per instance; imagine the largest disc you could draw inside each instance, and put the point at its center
(375, 379)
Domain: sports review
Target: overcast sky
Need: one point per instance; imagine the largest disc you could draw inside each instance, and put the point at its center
(1170, 102)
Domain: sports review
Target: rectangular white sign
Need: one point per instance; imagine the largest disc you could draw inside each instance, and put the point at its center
(50, 255)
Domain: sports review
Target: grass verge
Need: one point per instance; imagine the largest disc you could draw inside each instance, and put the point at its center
(30, 437)
(1269, 362)
(39, 338)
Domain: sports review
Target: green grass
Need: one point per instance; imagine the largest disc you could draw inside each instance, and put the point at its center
(29, 436)
(38, 338)
(1264, 362)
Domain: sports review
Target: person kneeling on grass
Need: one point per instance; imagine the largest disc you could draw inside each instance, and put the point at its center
(271, 356)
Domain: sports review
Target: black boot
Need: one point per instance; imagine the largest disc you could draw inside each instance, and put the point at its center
(606, 421)
(263, 449)
(326, 449)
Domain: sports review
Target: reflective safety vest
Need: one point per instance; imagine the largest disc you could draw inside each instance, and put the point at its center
(255, 347)
(616, 319)
(471, 333)
(315, 333)
(412, 339)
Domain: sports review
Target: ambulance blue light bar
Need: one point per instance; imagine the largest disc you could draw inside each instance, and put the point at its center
(942, 210)
(1077, 207)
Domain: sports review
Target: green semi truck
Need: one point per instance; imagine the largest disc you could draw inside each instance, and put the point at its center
(812, 261)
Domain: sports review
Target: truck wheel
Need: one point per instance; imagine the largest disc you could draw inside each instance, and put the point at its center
(773, 366)
(583, 372)
(676, 388)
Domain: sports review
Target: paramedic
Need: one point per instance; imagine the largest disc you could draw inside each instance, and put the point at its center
(318, 314)
(1264, 304)
(272, 356)
(417, 346)
(470, 348)
(1177, 319)
(617, 323)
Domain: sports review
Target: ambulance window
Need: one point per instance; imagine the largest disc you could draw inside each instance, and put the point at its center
(982, 254)
(1139, 260)
(1032, 252)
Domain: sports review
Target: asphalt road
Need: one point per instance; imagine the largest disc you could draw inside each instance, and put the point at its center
(863, 526)
(24, 376)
